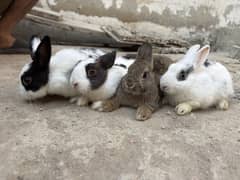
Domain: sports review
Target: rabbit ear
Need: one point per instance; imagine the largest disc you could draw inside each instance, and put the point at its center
(33, 45)
(202, 55)
(144, 51)
(191, 53)
(42, 54)
(106, 61)
(145, 54)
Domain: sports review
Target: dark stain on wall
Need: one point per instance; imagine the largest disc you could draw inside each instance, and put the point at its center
(228, 10)
(201, 18)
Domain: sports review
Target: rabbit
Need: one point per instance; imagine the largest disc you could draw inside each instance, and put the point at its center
(194, 82)
(97, 80)
(140, 88)
(50, 75)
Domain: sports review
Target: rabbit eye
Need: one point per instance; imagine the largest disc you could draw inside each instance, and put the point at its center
(27, 80)
(145, 75)
(182, 76)
(92, 72)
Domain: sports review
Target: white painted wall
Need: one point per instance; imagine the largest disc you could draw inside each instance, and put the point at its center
(227, 12)
(189, 19)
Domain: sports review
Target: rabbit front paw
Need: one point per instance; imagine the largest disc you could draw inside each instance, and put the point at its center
(108, 106)
(223, 105)
(97, 105)
(183, 108)
(73, 100)
(80, 101)
(143, 113)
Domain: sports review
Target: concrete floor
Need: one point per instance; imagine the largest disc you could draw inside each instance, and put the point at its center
(52, 139)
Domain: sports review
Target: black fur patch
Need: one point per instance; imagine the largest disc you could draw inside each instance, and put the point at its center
(183, 74)
(35, 77)
(97, 78)
(207, 63)
(121, 65)
(97, 72)
(130, 56)
(37, 74)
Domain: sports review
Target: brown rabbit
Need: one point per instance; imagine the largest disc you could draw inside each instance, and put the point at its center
(140, 87)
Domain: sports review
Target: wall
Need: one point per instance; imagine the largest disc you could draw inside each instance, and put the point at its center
(208, 21)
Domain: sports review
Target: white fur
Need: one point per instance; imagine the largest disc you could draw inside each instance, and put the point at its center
(107, 89)
(35, 43)
(206, 85)
(97, 105)
(61, 65)
(191, 53)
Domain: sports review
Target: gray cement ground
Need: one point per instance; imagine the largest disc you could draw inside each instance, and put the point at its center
(52, 139)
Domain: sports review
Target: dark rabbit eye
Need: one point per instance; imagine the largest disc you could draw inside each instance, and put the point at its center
(182, 76)
(27, 80)
(92, 72)
(145, 75)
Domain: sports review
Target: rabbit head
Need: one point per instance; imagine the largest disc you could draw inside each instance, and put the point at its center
(34, 76)
(140, 75)
(180, 74)
(92, 73)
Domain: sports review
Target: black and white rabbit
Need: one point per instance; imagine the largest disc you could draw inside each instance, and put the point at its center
(98, 80)
(47, 74)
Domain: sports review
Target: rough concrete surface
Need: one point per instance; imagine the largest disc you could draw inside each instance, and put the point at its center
(51, 139)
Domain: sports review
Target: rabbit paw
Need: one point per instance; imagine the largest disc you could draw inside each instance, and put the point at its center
(97, 105)
(73, 100)
(183, 109)
(82, 101)
(164, 101)
(223, 105)
(108, 106)
(143, 113)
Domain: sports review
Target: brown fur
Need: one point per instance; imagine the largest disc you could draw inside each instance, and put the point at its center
(140, 87)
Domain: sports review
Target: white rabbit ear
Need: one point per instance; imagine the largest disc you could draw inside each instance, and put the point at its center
(191, 53)
(34, 43)
(202, 55)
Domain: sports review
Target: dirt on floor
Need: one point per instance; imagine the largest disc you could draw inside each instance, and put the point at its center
(51, 139)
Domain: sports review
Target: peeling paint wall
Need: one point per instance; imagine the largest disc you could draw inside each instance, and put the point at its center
(173, 13)
(185, 17)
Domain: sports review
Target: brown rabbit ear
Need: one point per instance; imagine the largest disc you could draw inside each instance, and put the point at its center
(145, 54)
(144, 51)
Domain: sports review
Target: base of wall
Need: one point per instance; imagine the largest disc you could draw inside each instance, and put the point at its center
(75, 29)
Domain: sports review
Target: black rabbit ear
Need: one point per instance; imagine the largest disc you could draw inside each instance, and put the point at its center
(107, 60)
(144, 52)
(43, 52)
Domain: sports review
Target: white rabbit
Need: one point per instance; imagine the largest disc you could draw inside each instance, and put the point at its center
(194, 82)
(50, 75)
(98, 80)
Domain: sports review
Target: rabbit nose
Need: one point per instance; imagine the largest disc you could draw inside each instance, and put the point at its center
(164, 88)
(75, 85)
(130, 84)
